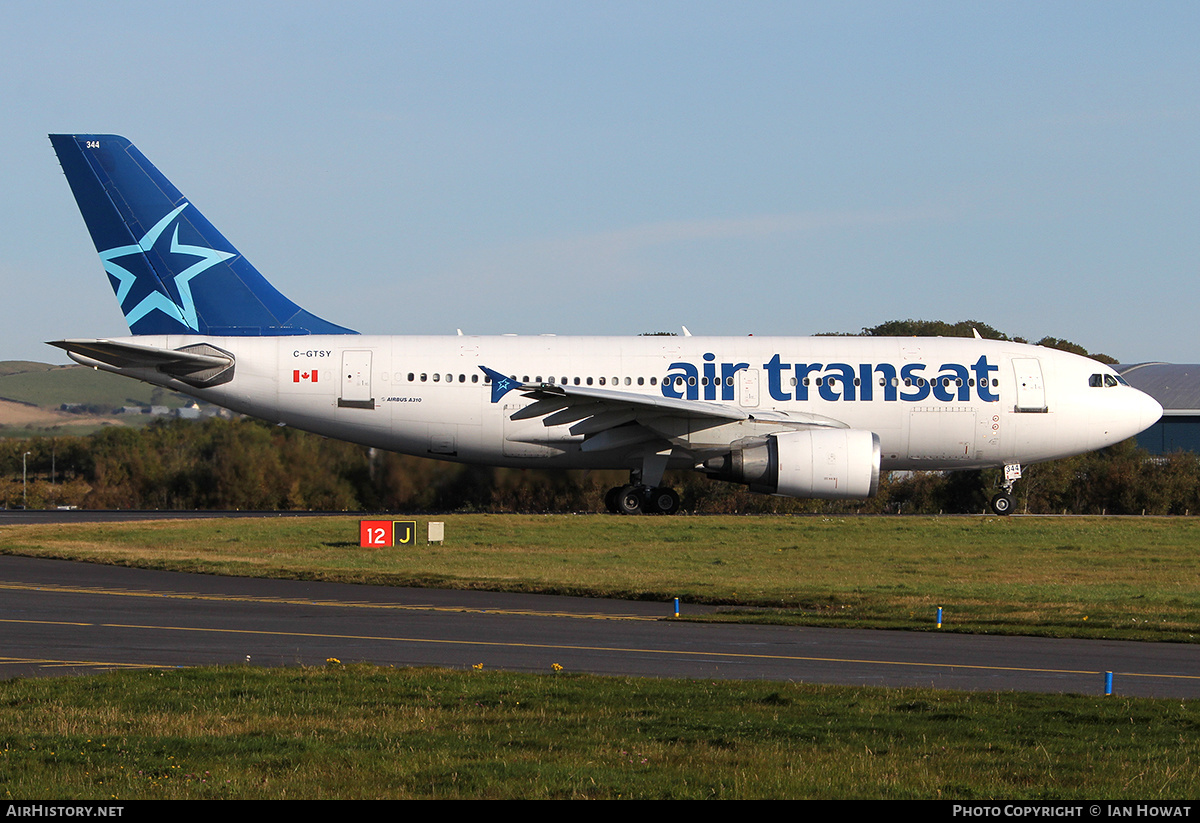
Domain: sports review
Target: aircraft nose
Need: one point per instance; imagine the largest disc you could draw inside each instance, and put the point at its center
(1127, 413)
(1150, 411)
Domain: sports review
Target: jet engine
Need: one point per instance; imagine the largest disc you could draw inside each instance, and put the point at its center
(831, 464)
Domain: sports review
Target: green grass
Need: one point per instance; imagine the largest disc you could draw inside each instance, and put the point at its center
(1130, 578)
(366, 732)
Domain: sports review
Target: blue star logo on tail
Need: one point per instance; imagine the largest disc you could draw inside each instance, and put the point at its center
(137, 277)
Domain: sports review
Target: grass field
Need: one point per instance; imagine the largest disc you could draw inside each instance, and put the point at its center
(1128, 578)
(366, 732)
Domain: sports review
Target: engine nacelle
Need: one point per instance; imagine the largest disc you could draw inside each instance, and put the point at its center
(830, 464)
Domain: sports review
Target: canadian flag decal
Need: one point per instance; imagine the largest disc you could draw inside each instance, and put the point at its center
(304, 376)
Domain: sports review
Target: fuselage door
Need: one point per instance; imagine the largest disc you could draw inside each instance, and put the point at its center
(356, 381)
(1031, 390)
(748, 387)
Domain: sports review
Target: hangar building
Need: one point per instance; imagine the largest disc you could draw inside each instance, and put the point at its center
(1177, 387)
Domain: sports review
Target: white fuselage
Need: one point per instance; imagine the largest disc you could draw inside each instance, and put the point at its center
(935, 403)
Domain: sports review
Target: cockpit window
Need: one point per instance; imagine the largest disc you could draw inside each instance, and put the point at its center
(1099, 381)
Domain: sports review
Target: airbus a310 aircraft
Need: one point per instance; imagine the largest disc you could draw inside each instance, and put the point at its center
(797, 416)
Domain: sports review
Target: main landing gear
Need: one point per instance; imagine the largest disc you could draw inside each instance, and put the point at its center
(639, 499)
(1003, 502)
(642, 494)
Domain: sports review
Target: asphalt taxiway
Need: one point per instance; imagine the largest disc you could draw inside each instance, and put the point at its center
(59, 618)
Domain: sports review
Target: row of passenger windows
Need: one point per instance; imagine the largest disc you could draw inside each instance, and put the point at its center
(920, 381)
(425, 377)
(437, 378)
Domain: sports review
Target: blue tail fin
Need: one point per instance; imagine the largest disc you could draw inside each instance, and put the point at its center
(173, 273)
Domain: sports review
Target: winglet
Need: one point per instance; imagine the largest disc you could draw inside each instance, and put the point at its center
(501, 385)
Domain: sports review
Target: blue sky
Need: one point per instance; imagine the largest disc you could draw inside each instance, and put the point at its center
(616, 168)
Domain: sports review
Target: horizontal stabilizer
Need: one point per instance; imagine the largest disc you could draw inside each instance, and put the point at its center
(197, 365)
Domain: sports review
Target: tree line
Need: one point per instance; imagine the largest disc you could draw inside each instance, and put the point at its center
(247, 464)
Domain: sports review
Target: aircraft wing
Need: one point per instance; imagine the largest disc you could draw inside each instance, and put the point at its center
(609, 418)
(198, 365)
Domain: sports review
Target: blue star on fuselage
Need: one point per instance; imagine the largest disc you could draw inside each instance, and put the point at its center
(148, 281)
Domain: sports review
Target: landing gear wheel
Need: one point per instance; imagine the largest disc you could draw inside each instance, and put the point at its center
(1002, 504)
(629, 500)
(662, 501)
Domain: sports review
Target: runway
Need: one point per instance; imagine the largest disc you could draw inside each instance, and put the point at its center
(59, 618)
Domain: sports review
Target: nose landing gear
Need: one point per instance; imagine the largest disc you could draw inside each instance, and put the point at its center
(1003, 502)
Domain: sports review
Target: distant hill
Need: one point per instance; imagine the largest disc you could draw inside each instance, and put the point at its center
(19, 366)
(32, 394)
